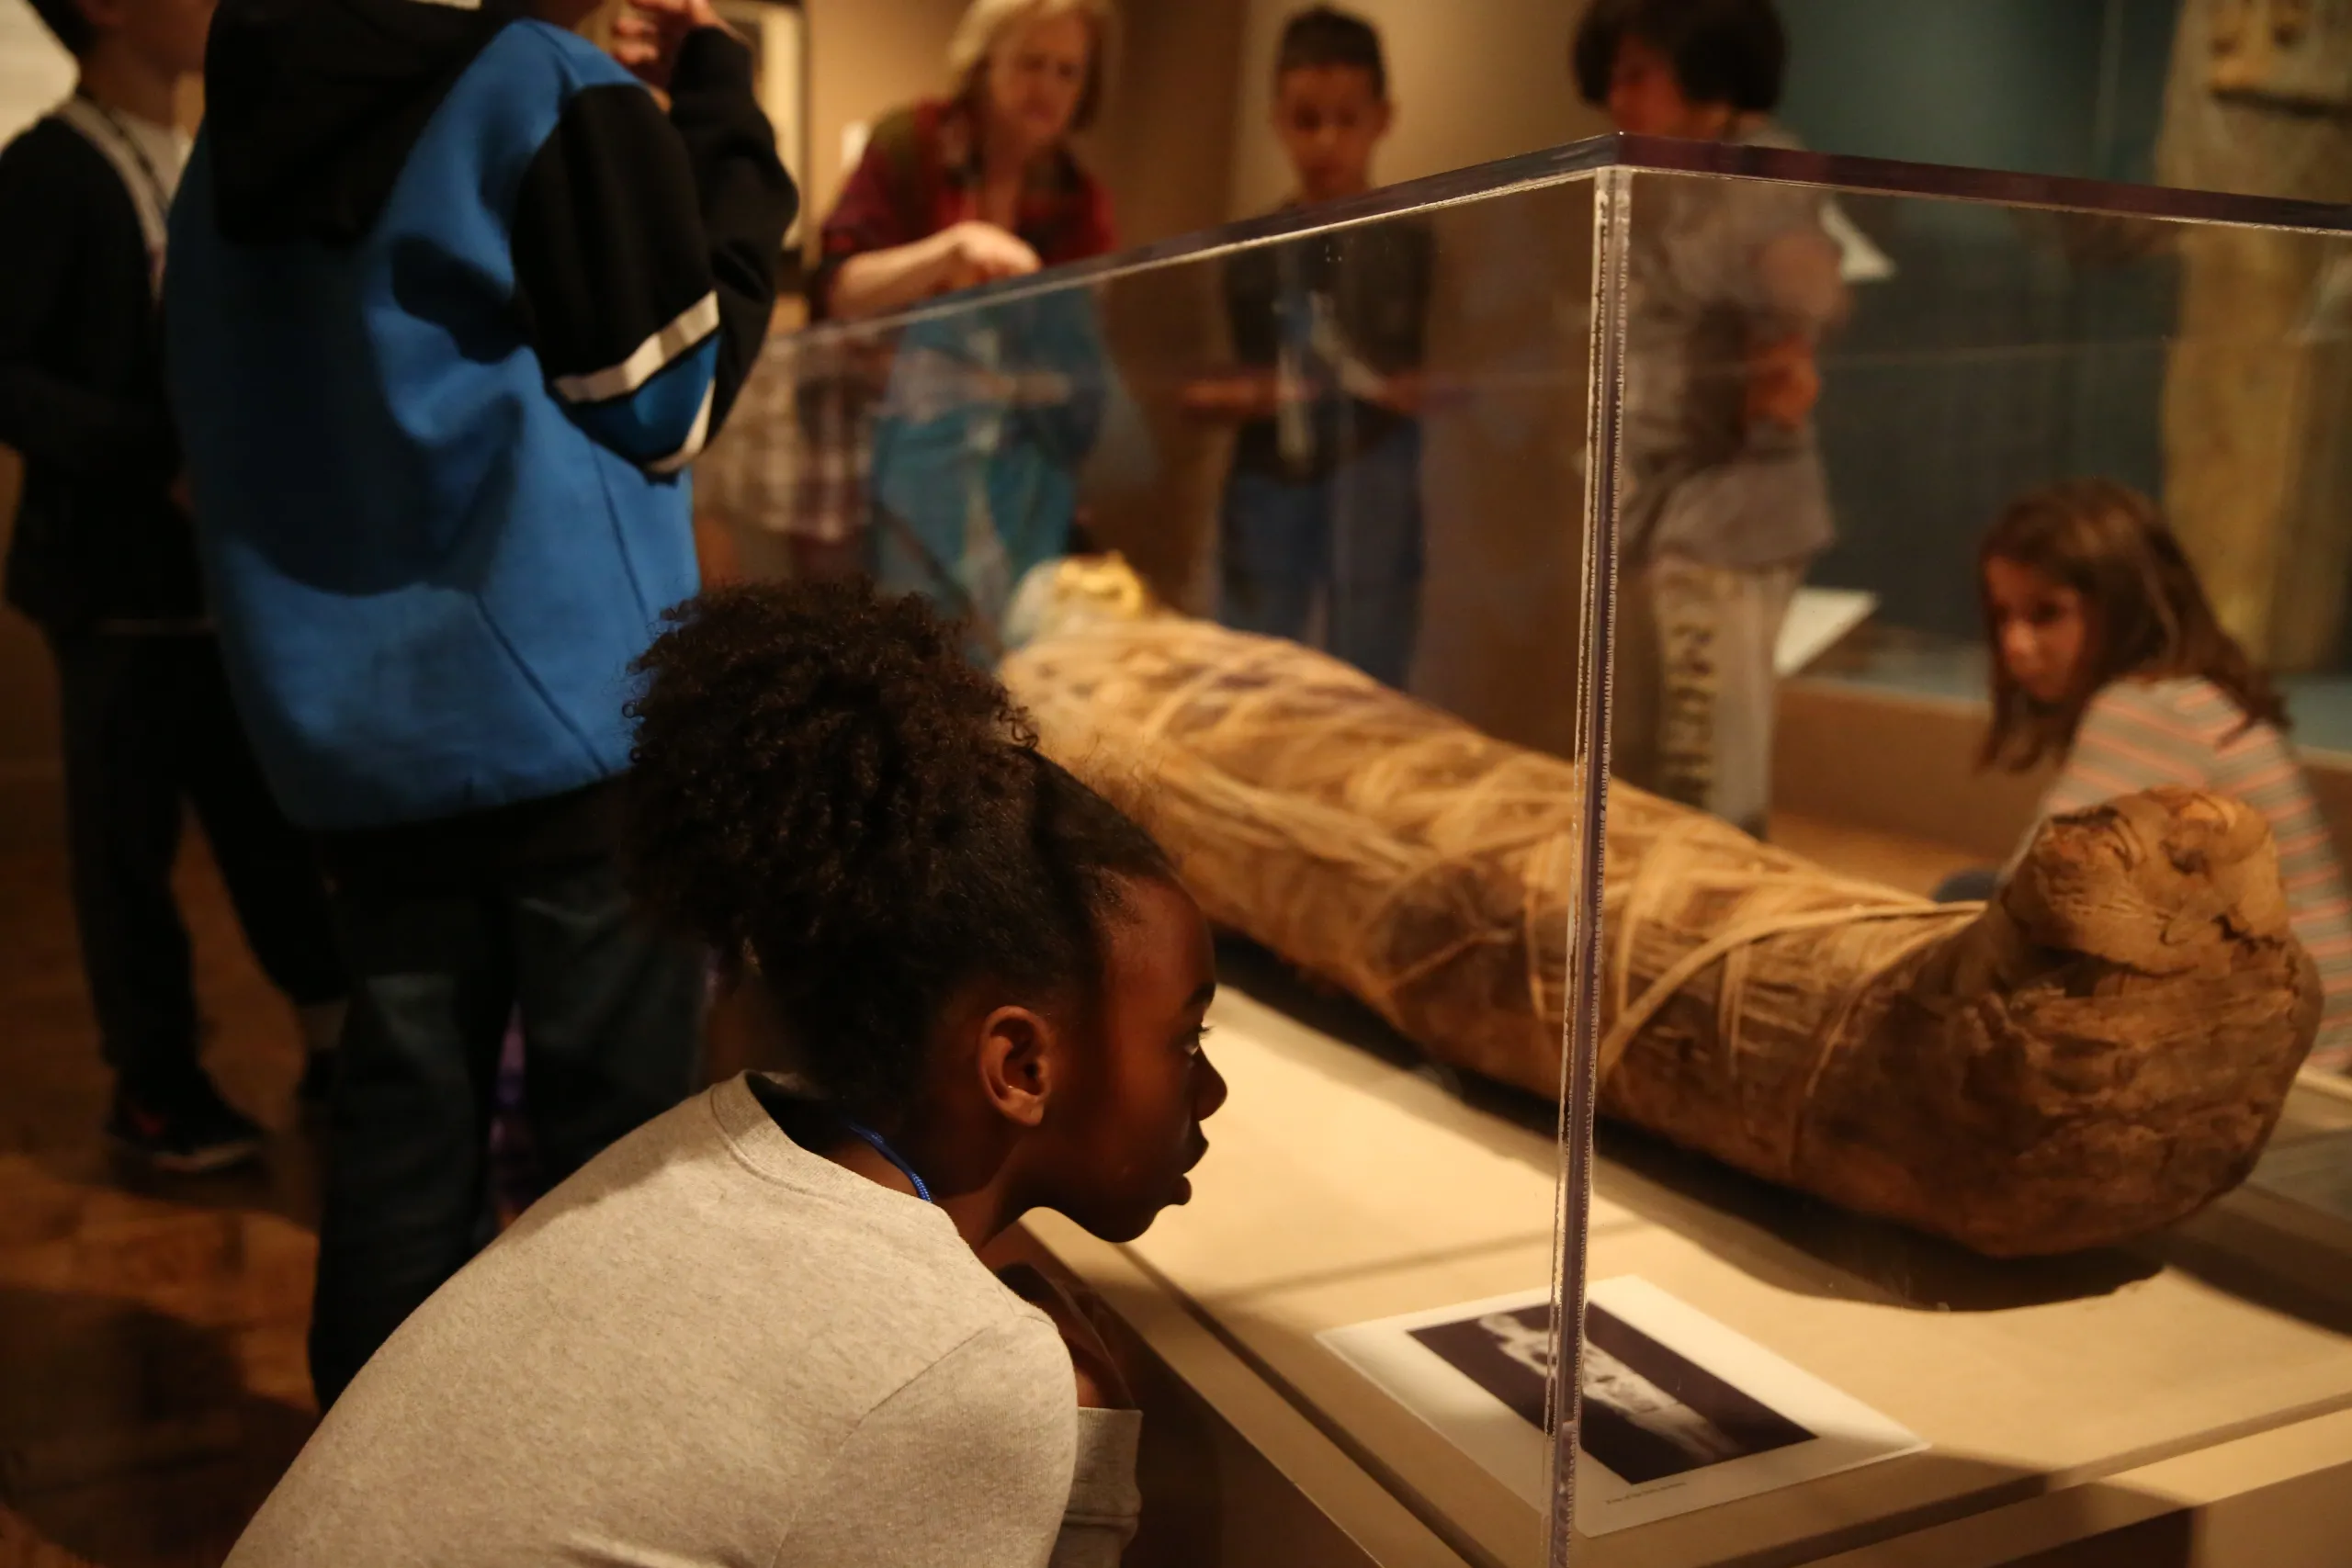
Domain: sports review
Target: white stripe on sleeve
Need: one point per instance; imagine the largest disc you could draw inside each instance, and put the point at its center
(646, 361)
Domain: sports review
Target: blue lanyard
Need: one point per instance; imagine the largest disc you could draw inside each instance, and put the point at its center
(886, 1151)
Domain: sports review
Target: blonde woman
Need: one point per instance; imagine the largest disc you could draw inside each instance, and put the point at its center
(958, 191)
(951, 192)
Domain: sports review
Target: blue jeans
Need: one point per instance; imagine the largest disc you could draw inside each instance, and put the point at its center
(612, 1028)
(1354, 536)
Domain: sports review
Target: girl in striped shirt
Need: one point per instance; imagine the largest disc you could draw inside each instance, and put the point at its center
(2107, 652)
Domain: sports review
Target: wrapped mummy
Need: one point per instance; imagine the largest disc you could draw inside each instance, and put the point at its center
(2100, 1053)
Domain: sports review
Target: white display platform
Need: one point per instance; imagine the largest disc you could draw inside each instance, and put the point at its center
(1342, 1188)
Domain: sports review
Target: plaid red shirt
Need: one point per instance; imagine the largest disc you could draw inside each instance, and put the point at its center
(920, 173)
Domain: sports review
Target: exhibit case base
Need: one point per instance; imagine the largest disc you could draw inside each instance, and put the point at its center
(2186, 1399)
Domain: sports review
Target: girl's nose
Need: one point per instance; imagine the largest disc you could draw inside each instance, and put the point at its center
(1209, 1091)
(2017, 646)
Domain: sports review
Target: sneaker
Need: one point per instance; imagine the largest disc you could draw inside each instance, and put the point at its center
(189, 1135)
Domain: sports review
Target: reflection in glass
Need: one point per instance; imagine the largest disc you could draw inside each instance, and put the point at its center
(1322, 510)
(977, 444)
(1732, 283)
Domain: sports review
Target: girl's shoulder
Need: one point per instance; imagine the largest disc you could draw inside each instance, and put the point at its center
(2193, 714)
(2188, 701)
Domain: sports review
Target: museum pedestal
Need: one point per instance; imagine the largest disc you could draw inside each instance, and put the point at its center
(2186, 1399)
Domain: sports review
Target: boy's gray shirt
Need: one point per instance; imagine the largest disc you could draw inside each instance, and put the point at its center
(1700, 482)
(713, 1347)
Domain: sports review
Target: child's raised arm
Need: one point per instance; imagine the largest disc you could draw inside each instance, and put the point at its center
(645, 251)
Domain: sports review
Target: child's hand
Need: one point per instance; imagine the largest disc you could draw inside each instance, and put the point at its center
(1784, 383)
(1407, 393)
(648, 35)
(969, 253)
(1241, 394)
(1100, 1385)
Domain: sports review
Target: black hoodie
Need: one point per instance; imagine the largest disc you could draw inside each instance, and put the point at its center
(99, 539)
(313, 107)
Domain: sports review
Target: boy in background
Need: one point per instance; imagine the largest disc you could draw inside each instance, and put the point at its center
(1732, 283)
(454, 303)
(1325, 497)
(104, 561)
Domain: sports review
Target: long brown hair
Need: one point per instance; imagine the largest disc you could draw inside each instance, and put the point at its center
(2146, 615)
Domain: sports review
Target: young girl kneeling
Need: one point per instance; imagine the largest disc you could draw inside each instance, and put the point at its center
(756, 1331)
(2107, 652)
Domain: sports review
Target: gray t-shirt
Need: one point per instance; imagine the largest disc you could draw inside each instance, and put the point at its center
(1699, 480)
(712, 1346)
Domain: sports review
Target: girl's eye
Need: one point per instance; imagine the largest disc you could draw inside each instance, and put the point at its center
(1197, 1039)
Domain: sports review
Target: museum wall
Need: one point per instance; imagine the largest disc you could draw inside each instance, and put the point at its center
(865, 59)
(1177, 84)
(34, 73)
(2071, 89)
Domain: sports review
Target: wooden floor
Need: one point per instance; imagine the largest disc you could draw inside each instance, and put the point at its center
(152, 1385)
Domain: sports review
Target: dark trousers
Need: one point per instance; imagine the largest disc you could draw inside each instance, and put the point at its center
(149, 729)
(1353, 537)
(448, 936)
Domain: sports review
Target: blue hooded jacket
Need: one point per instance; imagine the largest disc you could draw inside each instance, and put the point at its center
(451, 305)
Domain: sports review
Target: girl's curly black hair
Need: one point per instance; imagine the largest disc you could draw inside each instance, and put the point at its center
(823, 783)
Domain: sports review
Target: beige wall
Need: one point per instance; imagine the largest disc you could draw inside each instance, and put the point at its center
(1473, 80)
(1166, 143)
(866, 58)
(34, 72)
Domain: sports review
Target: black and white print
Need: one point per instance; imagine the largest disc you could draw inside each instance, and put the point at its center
(1648, 1413)
(1678, 1412)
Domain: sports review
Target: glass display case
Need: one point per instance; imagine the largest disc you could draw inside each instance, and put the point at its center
(1545, 610)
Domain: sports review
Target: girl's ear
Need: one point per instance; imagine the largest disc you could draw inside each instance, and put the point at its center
(1016, 1063)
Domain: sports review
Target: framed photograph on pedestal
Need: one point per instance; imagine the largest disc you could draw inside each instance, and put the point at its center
(1678, 1412)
